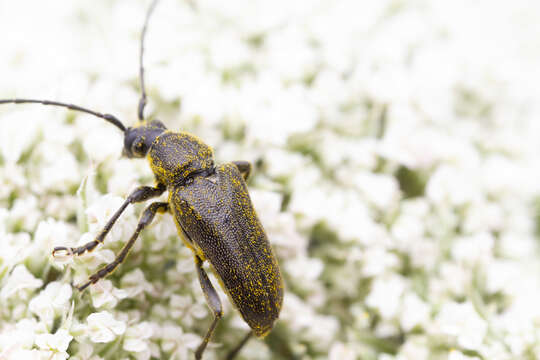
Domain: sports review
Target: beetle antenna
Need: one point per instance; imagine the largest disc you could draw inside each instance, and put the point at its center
(142, 101)
(107, 117)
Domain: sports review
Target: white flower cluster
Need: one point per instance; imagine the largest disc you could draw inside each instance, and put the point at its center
(396, 170)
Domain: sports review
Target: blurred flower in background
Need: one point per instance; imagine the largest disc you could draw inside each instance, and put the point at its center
(396, 147)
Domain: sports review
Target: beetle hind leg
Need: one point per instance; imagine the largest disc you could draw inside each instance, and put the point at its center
(212, 298)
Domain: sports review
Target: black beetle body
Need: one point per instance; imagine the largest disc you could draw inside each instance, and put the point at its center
(216, 219)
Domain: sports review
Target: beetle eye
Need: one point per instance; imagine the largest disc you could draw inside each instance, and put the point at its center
(138, 148)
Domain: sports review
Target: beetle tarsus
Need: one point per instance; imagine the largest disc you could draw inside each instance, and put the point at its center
(83, 286)
(68, 252)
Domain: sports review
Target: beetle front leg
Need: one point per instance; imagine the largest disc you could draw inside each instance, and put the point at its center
(244, 167)
(145, 220)
(140, 194)
(212, 298)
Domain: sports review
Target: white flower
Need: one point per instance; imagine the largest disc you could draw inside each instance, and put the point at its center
(500, 175)
(386, 329)
(125, 176)
(483, 216)
(496, 351)
(24, 354)
(516, 245)
(502, 275)
(385, 295)
(302, 318)
(101, 210)
(458, 355)
(282, 162)
(304, 269)
(422, 146)
(377, 260)
(56, 344)
(415, 348)
(103, 328)
(19, 336)
(407, 229)
(21, 282)
(424, 253)
(49, 234)
(134, 283)
(340, 351)
(105, 295)
(414, 312)
(24, 212)
(454, 278)
(14, 142)
(475, 249)
(267, 203)
(136, 338)
(85, 353)
(381, 190)
(14, 248)
(273, 126)
(60, 169)
(11, 178)
(184, 308)
(228, 51)
(52, 301)
(323, 331)
(462, 323)
(100, 143)
(451, 185)
(176, 342)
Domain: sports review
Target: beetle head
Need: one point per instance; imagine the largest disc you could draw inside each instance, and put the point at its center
(138, 139)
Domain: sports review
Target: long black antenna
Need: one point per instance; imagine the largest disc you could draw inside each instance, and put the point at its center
(142, 101)
(107, 117)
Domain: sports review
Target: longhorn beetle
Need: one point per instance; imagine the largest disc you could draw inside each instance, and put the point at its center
(212, 211)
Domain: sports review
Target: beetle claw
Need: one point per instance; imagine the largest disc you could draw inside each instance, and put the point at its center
(83, 286)
(67, 252)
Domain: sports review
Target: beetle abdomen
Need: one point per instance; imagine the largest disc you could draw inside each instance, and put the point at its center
(217, 215)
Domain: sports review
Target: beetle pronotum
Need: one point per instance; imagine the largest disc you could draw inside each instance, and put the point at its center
(211, 208)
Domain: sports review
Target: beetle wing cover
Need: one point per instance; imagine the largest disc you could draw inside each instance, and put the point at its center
(217, 215)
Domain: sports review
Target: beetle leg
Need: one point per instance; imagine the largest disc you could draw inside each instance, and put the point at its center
(140, 194)
(146, 218)
(212, 298)
(232, 354)
(244, 167)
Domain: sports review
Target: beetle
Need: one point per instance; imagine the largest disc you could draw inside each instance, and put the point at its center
(212, 211)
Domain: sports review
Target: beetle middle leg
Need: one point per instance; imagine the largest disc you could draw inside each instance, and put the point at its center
(140, 194)
(212, 298)
(145, 220)
(244, 167)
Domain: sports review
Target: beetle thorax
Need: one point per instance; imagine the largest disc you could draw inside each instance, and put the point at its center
(175, 155)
